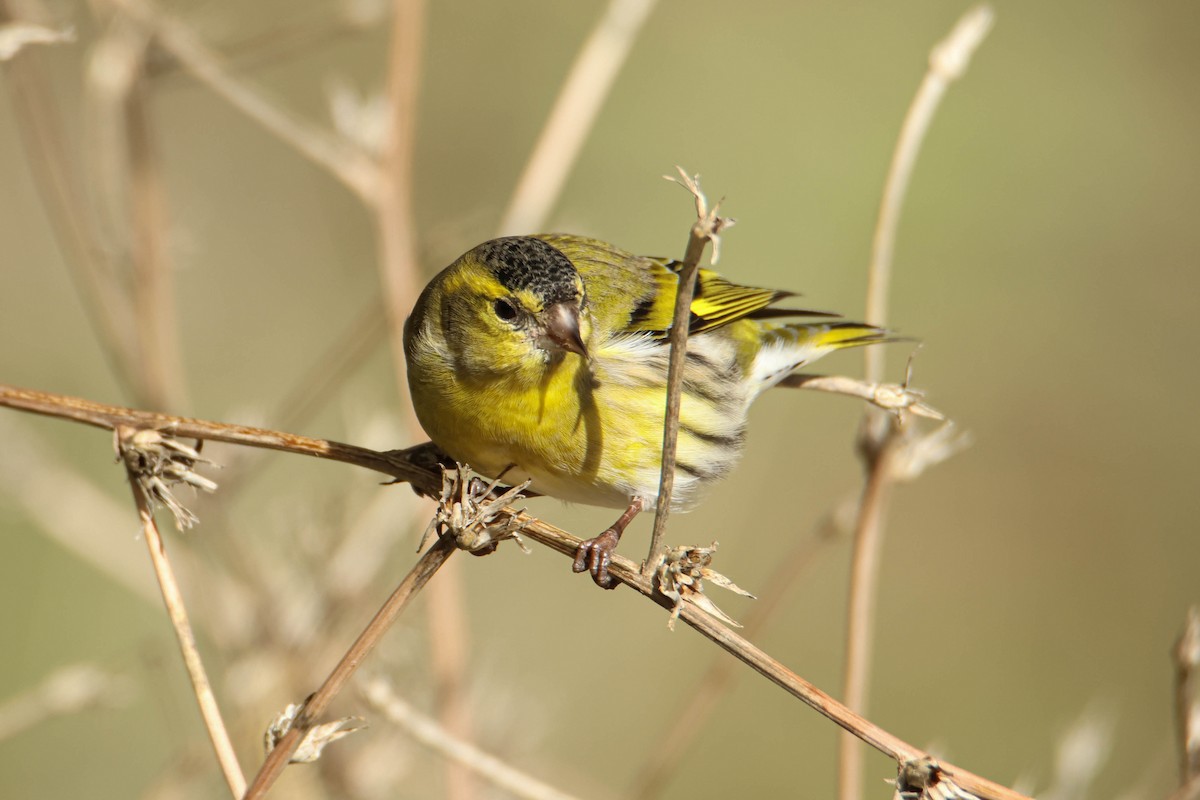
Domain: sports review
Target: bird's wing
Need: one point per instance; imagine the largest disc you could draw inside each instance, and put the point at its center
(636, 294)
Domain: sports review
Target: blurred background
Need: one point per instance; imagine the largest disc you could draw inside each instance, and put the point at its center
(1032, 588)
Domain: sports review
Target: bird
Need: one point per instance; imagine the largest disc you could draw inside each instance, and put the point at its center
(545, 358)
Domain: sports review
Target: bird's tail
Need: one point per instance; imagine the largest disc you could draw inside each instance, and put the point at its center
(788, 347)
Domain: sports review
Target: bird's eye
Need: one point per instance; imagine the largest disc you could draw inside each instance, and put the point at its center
(504, 309)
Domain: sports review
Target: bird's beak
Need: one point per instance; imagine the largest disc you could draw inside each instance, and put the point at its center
(561, 324)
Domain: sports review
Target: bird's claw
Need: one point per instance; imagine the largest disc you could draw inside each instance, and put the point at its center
(595, 556)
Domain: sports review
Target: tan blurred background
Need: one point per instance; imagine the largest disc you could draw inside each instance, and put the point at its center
(1047, 258)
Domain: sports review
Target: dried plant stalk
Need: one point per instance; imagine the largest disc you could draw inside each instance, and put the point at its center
(880, 432)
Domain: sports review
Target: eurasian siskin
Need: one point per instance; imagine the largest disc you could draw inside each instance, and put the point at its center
(545, 357)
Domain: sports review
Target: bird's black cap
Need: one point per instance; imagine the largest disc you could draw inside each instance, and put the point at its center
(525, 263)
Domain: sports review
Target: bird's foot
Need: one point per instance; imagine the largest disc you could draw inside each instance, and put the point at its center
(595, 555)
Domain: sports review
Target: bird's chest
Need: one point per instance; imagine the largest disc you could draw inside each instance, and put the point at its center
(540, 422)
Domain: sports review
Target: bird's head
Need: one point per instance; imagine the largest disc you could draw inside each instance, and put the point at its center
(510, 305)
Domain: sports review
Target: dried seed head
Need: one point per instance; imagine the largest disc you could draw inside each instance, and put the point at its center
(469, 511)
(159, 462)
(681, 576)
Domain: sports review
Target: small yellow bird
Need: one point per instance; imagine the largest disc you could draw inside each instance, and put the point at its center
(545, 357)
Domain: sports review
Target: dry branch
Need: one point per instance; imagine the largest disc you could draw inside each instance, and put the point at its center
(427, 479)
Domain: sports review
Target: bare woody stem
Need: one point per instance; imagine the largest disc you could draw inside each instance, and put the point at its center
(177, 613)
(707, 228)
(880, 433)
(110, 417)
(947, 63)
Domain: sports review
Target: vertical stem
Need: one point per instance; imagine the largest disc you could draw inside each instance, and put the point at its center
(159, 365)
(879, 435)
(864, 585)
(177, 612)
(705, 229)
(679, 336)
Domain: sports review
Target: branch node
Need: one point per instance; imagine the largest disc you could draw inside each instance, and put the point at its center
(924, 779)
(315, 738)
(709, 223)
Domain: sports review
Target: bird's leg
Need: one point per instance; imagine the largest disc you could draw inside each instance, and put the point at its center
(594, 555)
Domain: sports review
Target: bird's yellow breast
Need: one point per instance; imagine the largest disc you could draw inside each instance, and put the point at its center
(587, 431)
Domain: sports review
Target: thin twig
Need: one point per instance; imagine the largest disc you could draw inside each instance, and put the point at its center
(887, 396)
(864, 583)
(318, 702)
(395, 218)
(429, 733)
(707, 228)
(109, 417)
(1187, 699)
(947, 62)
(177, 612)
(880, 431)
(574, 114)
(352, 167)
(161, 362)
